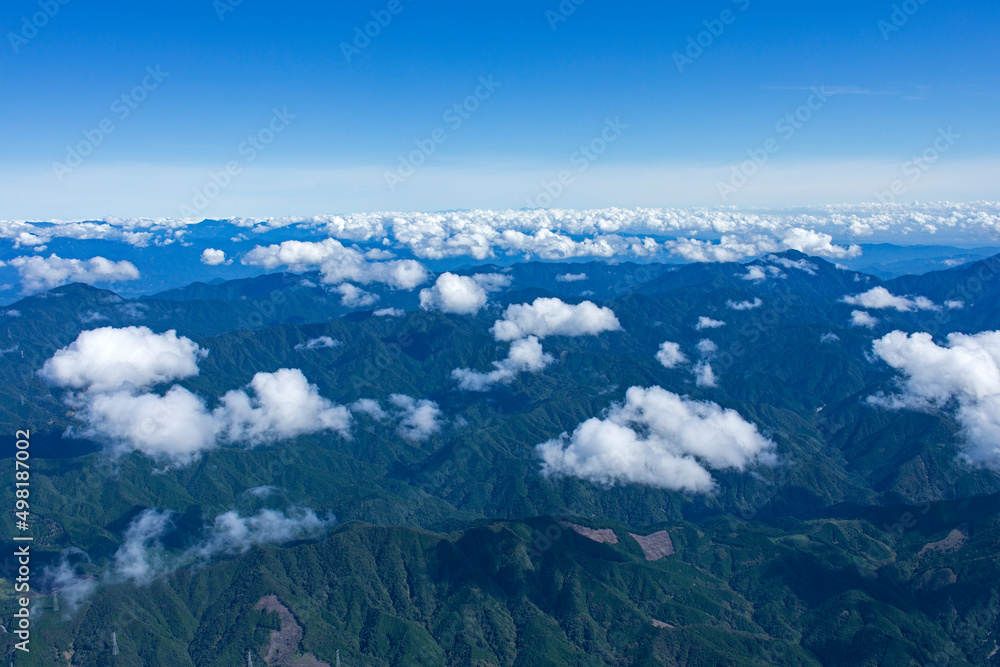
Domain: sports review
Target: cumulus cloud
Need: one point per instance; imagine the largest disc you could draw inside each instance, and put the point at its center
(552, 317)
(954, 305)
(452, 293)
(175, 428)
(744, 305)
(524, 325)
(39, 273)
(829, 338)
(728, 249)
(338, 263)
(707, 348)
(708, 323)
(966, 371)
(320, 343)
(525, 355)
(670, 355)
(214, 257)
(418, 419)
(370, 407)
(657, 438)
(704, 376)
(284, 406)
(861, 318)
(389, 312)
(571, 277)
(757, 273)
(112, 368)
(352, 296)
(104, 359)
(880, 298)
(816, 243)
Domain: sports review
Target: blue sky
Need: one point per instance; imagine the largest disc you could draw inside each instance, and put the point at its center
(891, 89)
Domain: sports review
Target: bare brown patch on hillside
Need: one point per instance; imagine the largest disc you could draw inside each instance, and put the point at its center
(284, 645)
(603, 535)
(656, 545)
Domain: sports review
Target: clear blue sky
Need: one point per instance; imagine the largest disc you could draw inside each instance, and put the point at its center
(940, 69)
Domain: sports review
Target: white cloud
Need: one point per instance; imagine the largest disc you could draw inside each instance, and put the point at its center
(296, 255)
(492, 282)
(234, 534)
(967, 372)
(757, 273)
(338, 263)
(175, 428)
(708, 323)
(707, 347)
(389, 312)
(39, 273)
(728, 249)
(284, 406)
(355, 297)
(552, 317)
(745, 305)
(320, 343)
(140, 558)
(113, 367)
(452, 293)
(829, 338)
(801, 264)
(214, 257)
(104, 359)
(704, 376)
(670, 355)
(817, 244)
(571, 277)
(954, 305)
(525, 356)
(657, 438)
(596, 232)
(861, 318)
(880, 298)
(418, 419)
(370, 407)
